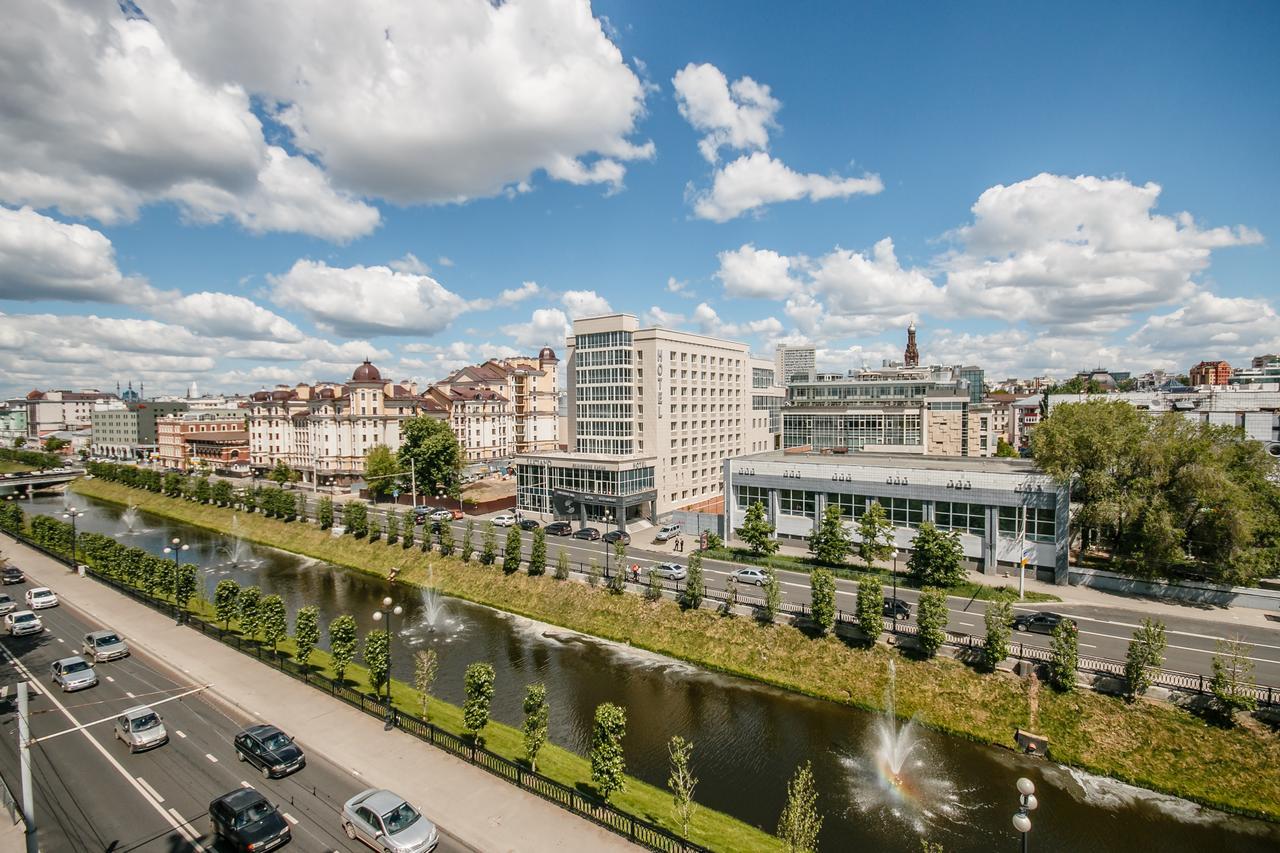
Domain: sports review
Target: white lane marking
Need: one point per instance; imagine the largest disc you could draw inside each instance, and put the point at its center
(211, 757)
(1088, 645)
(112, 680)
(182, 821)
(244, 784)
(60, 640)
(180, 733)
(293, 820)
(150, 790)
(130, 695)
(966, 624)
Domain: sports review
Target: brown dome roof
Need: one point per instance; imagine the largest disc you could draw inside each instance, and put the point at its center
(547, 354)
(366, 373)
(36, 395)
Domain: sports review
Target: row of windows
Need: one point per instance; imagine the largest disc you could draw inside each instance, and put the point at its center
(761, 377)
(606, 428)
(603, 358)
(604, 375)
(600, 340)
(824, 431)
(589, 393)
(606, 410)
(822, 395)
(606, 446)
(965, 517)
(1041, 524)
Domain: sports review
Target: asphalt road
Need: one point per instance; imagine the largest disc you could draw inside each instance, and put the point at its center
(92, 795)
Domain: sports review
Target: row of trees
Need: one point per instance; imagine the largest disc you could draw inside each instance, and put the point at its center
(33, 458)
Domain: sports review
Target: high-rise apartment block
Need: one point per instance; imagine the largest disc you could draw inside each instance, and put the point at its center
(794, 362)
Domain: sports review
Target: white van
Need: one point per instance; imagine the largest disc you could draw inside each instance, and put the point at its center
(667, 531)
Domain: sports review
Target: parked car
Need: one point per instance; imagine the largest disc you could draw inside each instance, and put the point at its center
(667, 531)
(11, 574)
(141, 729)
(270, 750)
(588, 533)
(7, 603)
(74, 673)
(21, 622)
(1042, 622)
(754, 576)
(40, 597)
(559, 528)
(384, 821)
(529, 524)
(898, 606)
(617, 536)
(504, 519)
(442, 515)
(245, 820)
(670, 571)
(421, 513)
(104, 645)
(456, 514)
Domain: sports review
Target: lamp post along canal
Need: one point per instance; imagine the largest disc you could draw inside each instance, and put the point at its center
(607, 517)
(72, 513)
(1026, 803)
(388, 609)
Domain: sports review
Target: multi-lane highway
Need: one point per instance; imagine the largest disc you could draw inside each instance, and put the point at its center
(92, 795)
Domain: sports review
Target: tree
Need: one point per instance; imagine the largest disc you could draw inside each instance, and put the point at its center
(562, 566)
(1065, 656)
(377, 657)
(931, 620)
(730, 595)
(1233, 684)
(690, 597)
(53, 444)
(306, 633)
(428, 446)
(937, 557)
(489, 544)
(536, 713)
(381, 471)
(274, 620)
(620, 555)
(468, 541)
(800, 822)
(607, 762)
(831, 541)
(226, 601)
(681, 781)
(870, 609)
(281, 473)
(822, 597)
(511, 552)
(1144, 658)
(593, 572)
(446, 540)
(426, 664)
(757, 532)
(617, 582)
(355, 518)
(249, 611)
(172, 484)
(999, 623)
(221, 493)
(653, 592)
(875, 535)
(772, 595)
(408, 523)
(478, 683)
(342, 644)
(187, 581)
(393, 527)
(1005, 450)
(324, 513)
(203, 490)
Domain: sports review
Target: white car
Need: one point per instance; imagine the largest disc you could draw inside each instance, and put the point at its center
(666, 532)
(442, 515)
(41, 597)
(140, 728)
(506, 519)
(22, 622)
(754, 576)
(670, 571)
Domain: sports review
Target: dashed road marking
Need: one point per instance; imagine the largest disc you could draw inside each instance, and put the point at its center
(293, 820)
(211, 757)
(244, 784)
(112, 680)
(60, 640)
(180, 733)
(150, 790)
(130, 695)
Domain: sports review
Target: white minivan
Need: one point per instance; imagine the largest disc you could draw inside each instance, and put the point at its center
(667, 531)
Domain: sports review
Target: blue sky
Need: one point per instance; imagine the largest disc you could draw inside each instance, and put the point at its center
(240, 198)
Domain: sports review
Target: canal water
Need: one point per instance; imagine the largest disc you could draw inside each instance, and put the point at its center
(748, 738)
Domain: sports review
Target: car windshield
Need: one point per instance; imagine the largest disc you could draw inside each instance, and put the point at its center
(399, 819)
(254, 813)
(24, 617)
(76, 666)
(146, 721)
(108, 640)
(279, 740)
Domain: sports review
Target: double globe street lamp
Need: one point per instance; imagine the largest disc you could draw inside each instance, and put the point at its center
(388, 609)
(72, 513)
(1026, 803)
(176, 547)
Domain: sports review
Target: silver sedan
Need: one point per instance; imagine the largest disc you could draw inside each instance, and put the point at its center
(73, 674)
(670, 571)
(384, 821)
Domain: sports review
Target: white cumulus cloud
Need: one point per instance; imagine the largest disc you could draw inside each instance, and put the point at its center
(756, 180)
(546, 327)
(585, 303)
(757, 273)
(737, 115)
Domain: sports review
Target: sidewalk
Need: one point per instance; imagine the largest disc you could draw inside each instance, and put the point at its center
(478, 808)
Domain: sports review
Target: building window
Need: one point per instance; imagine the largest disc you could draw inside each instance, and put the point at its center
(903, 512)
(796, 502)
(851, 506)
(1041, 524)
(748, 495)
(964, 517)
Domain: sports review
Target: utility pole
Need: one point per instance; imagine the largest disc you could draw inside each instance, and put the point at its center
(413, 481)
(1022, 551)
(24, 750)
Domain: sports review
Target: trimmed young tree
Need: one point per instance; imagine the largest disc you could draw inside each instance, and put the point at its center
(538, 553)
(536, 714)
(489, 548)
(931, 619)
(1066, 656)
(617, 583)
(1144, 658)
(426, 664)
(653, 592)
(468, 540)
(377, 657)
(562, 566)
(478, 683)
(730, 596)
(342, 644)
(772, 596)
(822, 597)
(275, 621)
(681, 781)
(593, 572)
(999, 624)
(608, 765)
(870, 609)
(221, 493)
(226, 601)
(408, 524)
(324, 513)
(936, 557)
(393, 526)
(306, 632)
(185, 585)
(831, 541)
(694, 588)
(1232, 684)
(875, 536)
(800, 823)
(757, 532)
(355, 518)
(511, 552)
(248, 611)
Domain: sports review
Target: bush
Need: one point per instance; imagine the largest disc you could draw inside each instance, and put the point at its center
(536, 713)
(593, 572)
(324, 513)
(274, 620)
(250, 612)
(931, 619)
(226, 601)
(1233, 684)
(653, 591)
(468, 541)
(489, 547)
(306, 633)
(377, 657)
(562, 566)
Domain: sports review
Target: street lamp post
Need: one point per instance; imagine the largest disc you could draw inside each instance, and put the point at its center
(386, 612)
(607, 517)
(176, 547)
(73, 513)
(1026, 803)
(895, 591)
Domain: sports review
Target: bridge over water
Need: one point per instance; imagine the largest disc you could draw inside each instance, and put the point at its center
(28, 483)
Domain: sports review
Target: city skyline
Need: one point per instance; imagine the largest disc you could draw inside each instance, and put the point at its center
(299, 196)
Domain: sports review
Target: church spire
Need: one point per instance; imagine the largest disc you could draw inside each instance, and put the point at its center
(911, 358)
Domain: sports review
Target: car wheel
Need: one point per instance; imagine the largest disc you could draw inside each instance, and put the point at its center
(1022, 628)
(266, 772)
(349, 830)
(239, 755)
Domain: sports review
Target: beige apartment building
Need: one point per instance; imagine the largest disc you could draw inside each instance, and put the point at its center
(653, 413)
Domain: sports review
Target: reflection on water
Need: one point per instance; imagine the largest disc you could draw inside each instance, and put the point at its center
(748, 739)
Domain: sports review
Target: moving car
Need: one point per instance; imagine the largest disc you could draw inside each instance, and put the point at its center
(617, 536)
(442, 515)
(528, 524)
(456, 514)
(41, 597)
(667, 531)
(140, 729)
(245, 820)
(898, 606)
(588, 533)
(1042, 622)
(504, 519)
(270, 750)
(22, 622)
(7, 603)
(104, 645)
(421, 513)
(670, 571)
(559, 528)
(11, 574)
(74, 673)
(755, 576)
(384, 821)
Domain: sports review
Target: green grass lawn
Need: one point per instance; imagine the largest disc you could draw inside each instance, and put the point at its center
(1096, 733)
(7, 467)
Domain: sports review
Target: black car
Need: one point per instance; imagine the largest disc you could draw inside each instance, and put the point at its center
(270, 750)
(1042, 622)
(896, 606)
(244, 820)
(617, 536)
(588, 533)
(11, 574)
(559, 528)
(529, 524)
